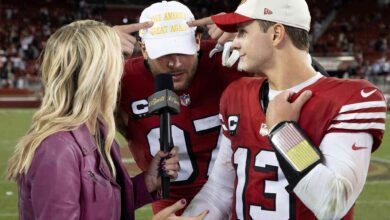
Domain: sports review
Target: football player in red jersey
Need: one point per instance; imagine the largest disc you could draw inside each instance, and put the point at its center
(199, 79)
(296, 145)
(170, 46)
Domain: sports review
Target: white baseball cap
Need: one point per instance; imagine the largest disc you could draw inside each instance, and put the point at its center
(170, 33)
(294, 13)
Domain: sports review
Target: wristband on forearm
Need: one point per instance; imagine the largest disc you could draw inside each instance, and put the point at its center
(295, 152)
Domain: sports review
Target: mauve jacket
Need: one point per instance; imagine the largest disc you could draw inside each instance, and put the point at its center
(68, 179)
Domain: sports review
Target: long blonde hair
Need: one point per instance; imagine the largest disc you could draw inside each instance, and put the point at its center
(81, 69)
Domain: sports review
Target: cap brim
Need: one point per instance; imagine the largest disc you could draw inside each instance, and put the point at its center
(158, 47)
(228, 22)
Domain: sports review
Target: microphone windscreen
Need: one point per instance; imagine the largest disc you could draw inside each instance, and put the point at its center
(163, 81)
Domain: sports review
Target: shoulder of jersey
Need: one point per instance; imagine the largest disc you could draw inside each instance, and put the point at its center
(331, 81)
(243, 85)
(347, 87)
(246, 82)
(361, 107)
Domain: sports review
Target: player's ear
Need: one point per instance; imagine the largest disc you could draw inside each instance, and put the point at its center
(278, 33)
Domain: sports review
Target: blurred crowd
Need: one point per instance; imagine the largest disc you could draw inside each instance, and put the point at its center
(24, 29)
(359, 30)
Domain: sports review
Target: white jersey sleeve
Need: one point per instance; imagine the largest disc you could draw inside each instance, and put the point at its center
(217, 194)
(331, 188)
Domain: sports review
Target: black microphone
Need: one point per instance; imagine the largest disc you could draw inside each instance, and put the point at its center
(164, 102)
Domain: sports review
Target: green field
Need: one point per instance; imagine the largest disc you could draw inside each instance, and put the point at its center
(374, 202)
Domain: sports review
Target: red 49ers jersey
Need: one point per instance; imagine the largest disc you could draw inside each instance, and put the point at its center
(195, 130)
(336, 106)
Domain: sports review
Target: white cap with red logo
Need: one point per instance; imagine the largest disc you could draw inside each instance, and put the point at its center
(170, 33)
(294, 13)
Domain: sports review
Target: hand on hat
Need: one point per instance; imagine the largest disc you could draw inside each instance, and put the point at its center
(219, 35)
(200, 22)
(127, 40)
(214, 32)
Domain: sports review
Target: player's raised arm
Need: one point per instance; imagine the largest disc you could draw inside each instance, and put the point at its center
(201, 22)
(213, 30)
(127, 40)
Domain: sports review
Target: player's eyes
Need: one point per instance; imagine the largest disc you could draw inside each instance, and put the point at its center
(241, 33)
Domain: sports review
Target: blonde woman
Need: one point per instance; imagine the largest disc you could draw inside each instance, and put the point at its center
(68, 165)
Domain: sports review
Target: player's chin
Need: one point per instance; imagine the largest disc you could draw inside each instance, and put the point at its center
(180, 85)
(251, 70)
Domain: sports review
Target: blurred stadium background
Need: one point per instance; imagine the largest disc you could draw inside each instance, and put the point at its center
(349, 38)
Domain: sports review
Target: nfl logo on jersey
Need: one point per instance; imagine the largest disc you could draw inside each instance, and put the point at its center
(263, 130)
(185, 99)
